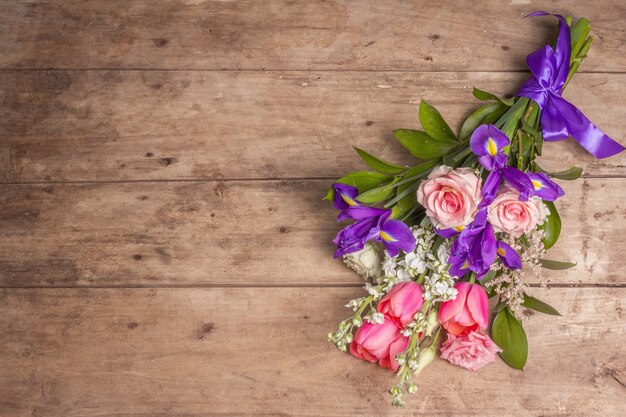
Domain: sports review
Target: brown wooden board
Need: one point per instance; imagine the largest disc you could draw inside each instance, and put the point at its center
(120, 125)
(262, 352)
(296, 35)
(239, 233)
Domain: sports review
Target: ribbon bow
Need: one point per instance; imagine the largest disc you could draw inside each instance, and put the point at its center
(560, 119)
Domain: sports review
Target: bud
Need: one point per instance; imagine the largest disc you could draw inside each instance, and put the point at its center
(348, 338)
(412, 389)
(425, 358)
(357, 321)
(431, 322)
(395, 390)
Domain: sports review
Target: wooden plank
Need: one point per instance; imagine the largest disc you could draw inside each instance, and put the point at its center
(200, 352)
(111, 125)
(295, 35)
(238, 233)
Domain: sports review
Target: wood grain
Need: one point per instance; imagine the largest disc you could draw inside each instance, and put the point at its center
(238, 233)
(262, 352)
(119, 126)
(296, 35)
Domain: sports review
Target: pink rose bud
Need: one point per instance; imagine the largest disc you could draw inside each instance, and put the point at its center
(471, 351)
(450, 197)
(379, 343)
(402, 302)
(468, 312)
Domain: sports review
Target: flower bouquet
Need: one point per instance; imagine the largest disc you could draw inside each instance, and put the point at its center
(437, 240)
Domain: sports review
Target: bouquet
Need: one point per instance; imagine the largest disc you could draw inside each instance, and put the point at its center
(435, 241)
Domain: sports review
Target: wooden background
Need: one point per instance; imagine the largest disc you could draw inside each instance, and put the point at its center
(164, 250)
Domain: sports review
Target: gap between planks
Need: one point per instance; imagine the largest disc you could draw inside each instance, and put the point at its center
(201, 180)
(188, 286)
(304, 70)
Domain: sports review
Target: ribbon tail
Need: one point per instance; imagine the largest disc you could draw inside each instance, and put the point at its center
(560, 119)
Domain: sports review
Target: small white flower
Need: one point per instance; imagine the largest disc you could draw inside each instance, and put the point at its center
(413, 263)
(376, 318)
(389, 266)
(372, 290)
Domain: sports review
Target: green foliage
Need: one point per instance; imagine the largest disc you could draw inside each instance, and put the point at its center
(538, 305)
(434, 125)
(484, 95)
(479, 116)
(362, 180)
(508, 333)
(379, 164)
(421, 145)
(556, 265)
(552, 226)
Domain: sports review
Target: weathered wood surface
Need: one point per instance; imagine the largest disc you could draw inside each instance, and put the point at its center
(295, 35)
(262, 351)
(112, 125)
(238, 233)
(147, 158)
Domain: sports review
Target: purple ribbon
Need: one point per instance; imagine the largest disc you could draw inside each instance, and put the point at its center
(560, 119)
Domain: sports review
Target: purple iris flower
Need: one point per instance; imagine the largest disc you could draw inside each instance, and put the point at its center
(345, 200)
(545, 188)
(476, 249)
(372, 224)
(508, 256)
(520, 181)
(352, 237)
(394, 235)
(487, 142)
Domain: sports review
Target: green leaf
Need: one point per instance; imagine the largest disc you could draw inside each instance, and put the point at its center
(509, 120)
(538, 305)
(509, 334)
(407, 202)
(552, 226)
(454, 160)
(570, 174)
(420, 170)
(434, 125)
(488, 277)
(478, 117)
(363, 180)
(379, 164)
(421, 145)
(501, 304)
(579, 33)
(556, 265)
(484, 95)
(378, 194)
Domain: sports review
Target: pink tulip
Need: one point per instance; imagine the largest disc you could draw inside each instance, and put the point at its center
(379, 343)
(468, 312)
(402, 302)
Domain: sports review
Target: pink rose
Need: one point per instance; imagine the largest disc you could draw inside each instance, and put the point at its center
(468, 312)
(472, 351)
(402, 302)
(450, 197)
(379, 343)
(510, 215)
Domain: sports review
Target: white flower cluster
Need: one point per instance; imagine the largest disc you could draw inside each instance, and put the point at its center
(437, 283)
(414, 263)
